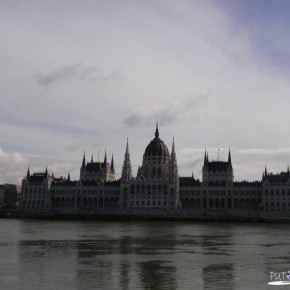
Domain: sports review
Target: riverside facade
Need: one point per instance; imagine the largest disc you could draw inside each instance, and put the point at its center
(158, 190)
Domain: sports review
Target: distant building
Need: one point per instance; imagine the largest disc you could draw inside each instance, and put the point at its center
(19, 195)
(276, 194)
(8, 196)
(36, 191)
(218, 194)
(157, 189)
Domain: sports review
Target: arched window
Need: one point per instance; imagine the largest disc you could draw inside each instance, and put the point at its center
(159, 172)
(132, 189)
(153, 174)
(148, 189)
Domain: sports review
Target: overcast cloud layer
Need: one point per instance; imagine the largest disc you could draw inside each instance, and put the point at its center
(85, 75)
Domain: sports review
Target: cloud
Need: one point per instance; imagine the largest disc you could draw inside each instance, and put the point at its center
(76, 72)
(75, 105)
(265, 152)
(10, 158)
(170, 114)
(12, 166)
(113, 76)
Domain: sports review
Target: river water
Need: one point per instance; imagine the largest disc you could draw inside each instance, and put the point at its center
(41, 254)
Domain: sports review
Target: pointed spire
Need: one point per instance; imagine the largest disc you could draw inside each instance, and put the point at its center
(84, 160)
(92, 160)
(46, 173)
(173, 148)
(173, 169)
(68, 176)
(205, 162)
(28, 173)
(192, 174)
(127, 147)
(229, 158)
(105, 159)
(156, 131)
(266, 170)
(112, 163)
(127, 168)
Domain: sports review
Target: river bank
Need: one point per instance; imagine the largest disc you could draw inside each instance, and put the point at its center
(15, 213)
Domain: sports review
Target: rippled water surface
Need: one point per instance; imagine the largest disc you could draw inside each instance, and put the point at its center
(37, 254)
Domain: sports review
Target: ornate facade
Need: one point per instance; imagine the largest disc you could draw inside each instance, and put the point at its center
(156, 185)
(157, 189)
(36, 190)
(97, 171)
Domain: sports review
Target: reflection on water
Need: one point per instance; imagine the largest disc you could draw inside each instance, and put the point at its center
(140, 255)
(218, 276)
(124, 276)
(157, 275)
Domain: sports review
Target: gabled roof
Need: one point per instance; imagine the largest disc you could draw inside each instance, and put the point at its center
(37, 178)
(245, 183)
(64, 182)
(95, 166)
(218, 166)
(282, 177)
(188, 181)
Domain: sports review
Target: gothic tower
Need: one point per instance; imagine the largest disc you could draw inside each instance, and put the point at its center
(127, 168)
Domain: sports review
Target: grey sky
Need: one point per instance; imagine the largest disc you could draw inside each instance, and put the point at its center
(85, 75)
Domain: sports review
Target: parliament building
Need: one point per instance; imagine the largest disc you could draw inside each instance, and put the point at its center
(157, 189)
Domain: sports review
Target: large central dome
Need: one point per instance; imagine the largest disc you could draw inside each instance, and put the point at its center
(156, 147)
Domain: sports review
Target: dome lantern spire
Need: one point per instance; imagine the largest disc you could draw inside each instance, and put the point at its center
(156, 131)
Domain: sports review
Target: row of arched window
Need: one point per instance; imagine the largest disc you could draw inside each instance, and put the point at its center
(272, 206)
(149, 189)
(220, 203)
(84, 202)
(33, 204)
